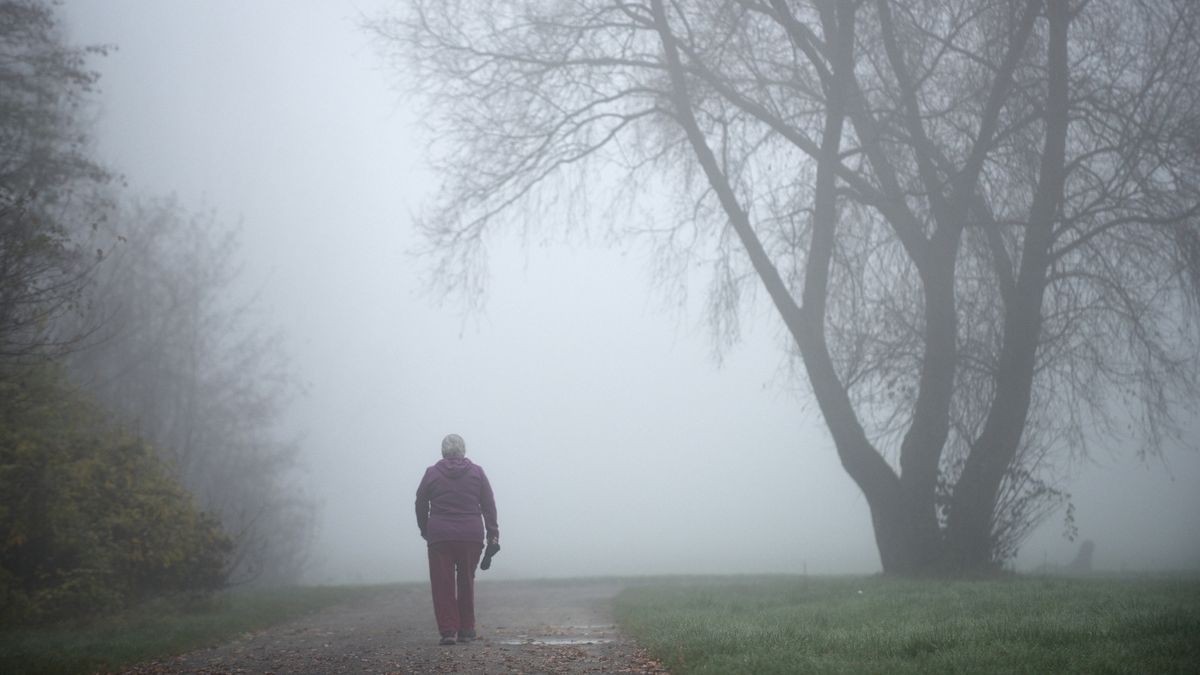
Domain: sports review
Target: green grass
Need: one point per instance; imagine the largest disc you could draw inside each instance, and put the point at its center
(158, 629)
(877, 625)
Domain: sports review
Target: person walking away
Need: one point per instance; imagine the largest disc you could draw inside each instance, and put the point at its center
(455, 511)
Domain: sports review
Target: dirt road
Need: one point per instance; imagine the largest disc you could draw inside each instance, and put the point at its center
(524, 627)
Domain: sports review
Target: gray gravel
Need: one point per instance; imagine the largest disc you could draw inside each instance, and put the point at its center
(524, 627)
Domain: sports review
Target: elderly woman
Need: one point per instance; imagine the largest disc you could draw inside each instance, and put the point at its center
(454, 506)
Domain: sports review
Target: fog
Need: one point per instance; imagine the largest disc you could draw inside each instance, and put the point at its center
(614, 439)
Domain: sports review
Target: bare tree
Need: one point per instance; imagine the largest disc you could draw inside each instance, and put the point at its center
(977, 219)
(184, 365)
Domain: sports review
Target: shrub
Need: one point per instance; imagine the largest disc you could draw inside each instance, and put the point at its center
(91, 519)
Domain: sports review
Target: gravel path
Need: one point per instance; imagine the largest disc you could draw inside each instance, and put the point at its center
(524, 627)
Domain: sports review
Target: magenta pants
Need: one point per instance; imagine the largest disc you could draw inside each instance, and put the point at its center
(452, 577)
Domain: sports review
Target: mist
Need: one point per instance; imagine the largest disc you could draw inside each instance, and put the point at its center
(617, 441)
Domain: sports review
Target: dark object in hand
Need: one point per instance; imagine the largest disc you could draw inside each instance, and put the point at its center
(491, 550)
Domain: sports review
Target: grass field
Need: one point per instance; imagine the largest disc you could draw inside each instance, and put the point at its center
(876, 625)
(158, 629)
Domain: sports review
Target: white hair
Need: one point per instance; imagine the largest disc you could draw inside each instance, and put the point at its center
(453, 446)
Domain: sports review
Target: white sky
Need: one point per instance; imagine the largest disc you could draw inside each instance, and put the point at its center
(615, 443)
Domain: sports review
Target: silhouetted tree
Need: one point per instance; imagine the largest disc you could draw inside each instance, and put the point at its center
(977, 219)
(49, 184)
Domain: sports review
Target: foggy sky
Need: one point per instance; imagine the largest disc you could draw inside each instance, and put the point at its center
(615, 442)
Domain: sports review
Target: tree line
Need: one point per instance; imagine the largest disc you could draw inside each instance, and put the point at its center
(140, 451)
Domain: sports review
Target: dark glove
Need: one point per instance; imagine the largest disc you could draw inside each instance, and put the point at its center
(491, 550)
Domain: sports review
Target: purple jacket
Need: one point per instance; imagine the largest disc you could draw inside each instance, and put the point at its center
(455, 501)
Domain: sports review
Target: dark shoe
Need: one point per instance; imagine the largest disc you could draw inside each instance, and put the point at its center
(465, 636)
(448, 640)
(491, 550)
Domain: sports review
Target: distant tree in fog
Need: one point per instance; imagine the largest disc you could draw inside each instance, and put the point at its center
(50, 187)
(164, 350)
(91, 519)
(977, 219)
(186, 366)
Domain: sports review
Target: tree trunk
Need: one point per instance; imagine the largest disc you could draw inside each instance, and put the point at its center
(903, 517)
(970, 529)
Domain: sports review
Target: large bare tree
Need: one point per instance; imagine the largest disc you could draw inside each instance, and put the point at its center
(977, 219)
